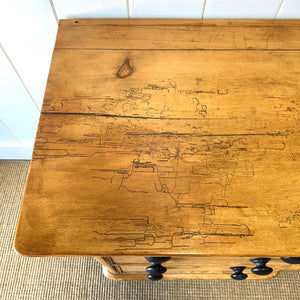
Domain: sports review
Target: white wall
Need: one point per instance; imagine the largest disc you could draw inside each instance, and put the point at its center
(27, 36)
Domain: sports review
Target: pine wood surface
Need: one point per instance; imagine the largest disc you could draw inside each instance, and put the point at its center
(165, 138)
(178, 34)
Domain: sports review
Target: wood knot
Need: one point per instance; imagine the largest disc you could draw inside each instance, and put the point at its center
(126, 69)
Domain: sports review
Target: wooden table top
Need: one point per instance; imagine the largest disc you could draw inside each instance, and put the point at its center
(167, 137)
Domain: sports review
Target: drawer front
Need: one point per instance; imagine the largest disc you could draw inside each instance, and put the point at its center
(193, 267)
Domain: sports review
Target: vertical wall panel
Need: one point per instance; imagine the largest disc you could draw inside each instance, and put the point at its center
(6, 138)
(290, 9)
(10, 148)
(257, 9)
(91, 8)
(17, 110)
(27, 33)
(166, 8)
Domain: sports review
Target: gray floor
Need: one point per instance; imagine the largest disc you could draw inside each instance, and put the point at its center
(81, 278)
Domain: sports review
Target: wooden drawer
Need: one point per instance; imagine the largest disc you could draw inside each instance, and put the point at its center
(188, 267)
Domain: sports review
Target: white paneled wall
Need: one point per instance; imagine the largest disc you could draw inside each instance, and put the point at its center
(67, 9)
(27, 36)
(18, 114)
(258, 9)
(17, 110)
(290, 9)
(166, 8)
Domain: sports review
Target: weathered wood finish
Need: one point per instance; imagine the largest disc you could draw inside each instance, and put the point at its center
(167, 138)
(178, 34)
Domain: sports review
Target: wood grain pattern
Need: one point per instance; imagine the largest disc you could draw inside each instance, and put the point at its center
(179, 34)
(160, 152)
(197, 84)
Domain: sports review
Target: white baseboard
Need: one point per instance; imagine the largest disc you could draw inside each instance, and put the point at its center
(16, 151)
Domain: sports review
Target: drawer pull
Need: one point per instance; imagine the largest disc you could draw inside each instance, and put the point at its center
(261, 268)
(238, 273)
(291, 260)
(156, 269)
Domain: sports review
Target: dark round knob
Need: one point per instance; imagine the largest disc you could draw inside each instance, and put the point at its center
(154, 277)
(156, 269)
(291, 260)
(261, 268)
(238, 273)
